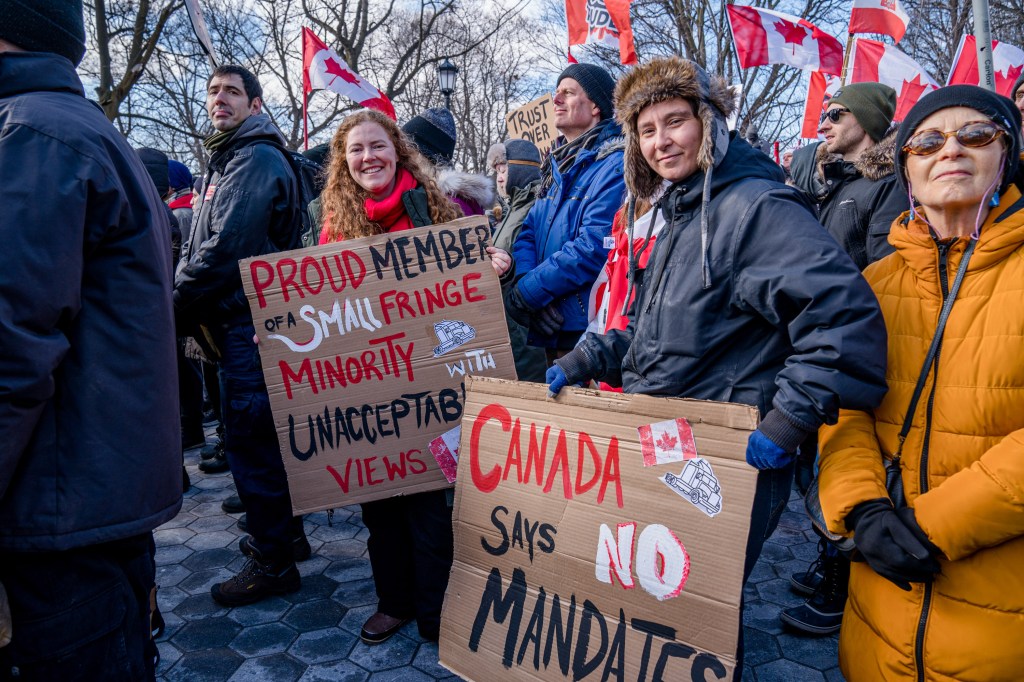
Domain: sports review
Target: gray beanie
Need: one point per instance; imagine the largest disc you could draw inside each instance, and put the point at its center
(44, 26)
(596, 82)
(872, 104)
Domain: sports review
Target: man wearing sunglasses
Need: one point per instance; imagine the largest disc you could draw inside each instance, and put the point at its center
(859, 199)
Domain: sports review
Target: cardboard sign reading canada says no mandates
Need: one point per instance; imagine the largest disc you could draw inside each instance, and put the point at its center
(598, 536)
(534, 122)
(365, 347)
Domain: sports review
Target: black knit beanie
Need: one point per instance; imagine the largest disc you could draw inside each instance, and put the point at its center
(596, 82)
(523, 164)
(872, 104)
(433, 132)
(999, 109)
(155, 162)
(44, 26)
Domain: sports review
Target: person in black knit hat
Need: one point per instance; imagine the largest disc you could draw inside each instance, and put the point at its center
(52, 26)
(563, 242)
(91, 449)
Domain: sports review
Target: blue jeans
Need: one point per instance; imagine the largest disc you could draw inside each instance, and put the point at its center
(251, 446)
(82, 614)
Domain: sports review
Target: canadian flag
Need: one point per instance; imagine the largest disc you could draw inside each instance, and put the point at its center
(1007, 61)
(667, 441)
(819, 92)
(601, 21)
(323, 69)
(874, 62)
(879, 16)
(766, 37)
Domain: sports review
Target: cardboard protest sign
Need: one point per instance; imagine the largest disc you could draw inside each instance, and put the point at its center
(535, 122)
(365, 347)
(581, 555)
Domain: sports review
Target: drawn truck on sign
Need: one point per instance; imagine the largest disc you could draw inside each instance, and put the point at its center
(698, 484)
(452, 334)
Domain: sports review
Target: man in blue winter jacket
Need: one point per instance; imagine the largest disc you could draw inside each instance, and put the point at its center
(563, 244)
(90, 446)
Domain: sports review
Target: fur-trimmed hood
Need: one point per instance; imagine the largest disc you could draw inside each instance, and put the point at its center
(876, 162)
(660, 80)
(472, 188)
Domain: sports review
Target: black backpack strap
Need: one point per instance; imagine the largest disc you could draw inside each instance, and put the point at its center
(933, 349)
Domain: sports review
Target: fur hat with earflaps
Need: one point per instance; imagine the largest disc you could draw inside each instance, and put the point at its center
(658, 81)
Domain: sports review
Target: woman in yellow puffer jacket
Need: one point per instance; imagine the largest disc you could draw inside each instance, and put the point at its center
(939, 594)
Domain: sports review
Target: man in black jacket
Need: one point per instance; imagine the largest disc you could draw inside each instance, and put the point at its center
(249, 207)
(745, 299)
(90, 450)
(861, 197)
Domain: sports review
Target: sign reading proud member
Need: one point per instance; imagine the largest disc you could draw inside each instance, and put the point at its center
(366, 346)
(598, 536)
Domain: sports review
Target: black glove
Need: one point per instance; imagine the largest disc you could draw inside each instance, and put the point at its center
(909, 520)
(517, 309)
(888, 546)
(549, 322)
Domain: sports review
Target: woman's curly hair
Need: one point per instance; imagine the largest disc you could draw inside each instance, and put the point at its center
(345, 215)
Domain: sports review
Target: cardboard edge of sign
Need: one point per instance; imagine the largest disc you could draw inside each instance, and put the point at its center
(729, 415)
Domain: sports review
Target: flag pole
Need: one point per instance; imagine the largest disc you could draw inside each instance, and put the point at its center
(846, 58)
(305, 129)
(983, 44)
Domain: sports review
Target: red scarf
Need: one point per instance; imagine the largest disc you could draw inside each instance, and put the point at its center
(181, 202)
(389, 212)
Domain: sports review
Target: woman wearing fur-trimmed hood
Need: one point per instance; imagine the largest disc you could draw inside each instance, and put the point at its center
(746, 299)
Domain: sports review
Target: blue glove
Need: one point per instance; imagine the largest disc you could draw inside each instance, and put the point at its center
(555, 376)
(763, 453)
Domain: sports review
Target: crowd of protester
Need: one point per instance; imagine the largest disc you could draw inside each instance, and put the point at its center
(865, 296)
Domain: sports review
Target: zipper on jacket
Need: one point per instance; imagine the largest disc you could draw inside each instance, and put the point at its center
(943, 248)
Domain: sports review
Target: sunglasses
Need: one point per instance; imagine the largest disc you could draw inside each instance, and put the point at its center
(832, 115)
(974, 134)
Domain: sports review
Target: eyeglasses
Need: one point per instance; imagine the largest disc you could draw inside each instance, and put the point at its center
(973, 134)
(832, 115)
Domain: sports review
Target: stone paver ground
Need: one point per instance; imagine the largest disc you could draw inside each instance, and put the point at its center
(313, 635)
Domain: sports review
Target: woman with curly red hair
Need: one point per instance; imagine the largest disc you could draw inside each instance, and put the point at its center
(378, 182)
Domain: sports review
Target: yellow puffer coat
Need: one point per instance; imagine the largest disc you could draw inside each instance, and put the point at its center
(968, 490)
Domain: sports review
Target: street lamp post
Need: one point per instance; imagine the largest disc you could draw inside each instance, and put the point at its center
(446, 75)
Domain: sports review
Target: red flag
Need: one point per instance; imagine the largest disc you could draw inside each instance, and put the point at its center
(766, 37)
(819, 92)
(874, 62)
(601, 21)
(879, 16)
(1007, 61)
(323, 69)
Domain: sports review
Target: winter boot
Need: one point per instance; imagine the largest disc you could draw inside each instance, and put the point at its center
(822, 614)
(259, 578)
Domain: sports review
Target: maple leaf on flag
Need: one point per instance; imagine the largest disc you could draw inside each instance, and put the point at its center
(1005, 82)
(908, 96)
(335, 69)
(790, 32)
(666, 442)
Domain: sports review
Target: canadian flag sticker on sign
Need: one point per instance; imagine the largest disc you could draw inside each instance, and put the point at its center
(667, 441)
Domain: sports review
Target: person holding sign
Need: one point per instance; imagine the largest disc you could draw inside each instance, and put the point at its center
(939, 591)
(378, 182)
(745, 298)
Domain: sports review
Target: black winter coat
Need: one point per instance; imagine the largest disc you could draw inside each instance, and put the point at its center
(788, 324)
(90, 444)
(248, 207)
